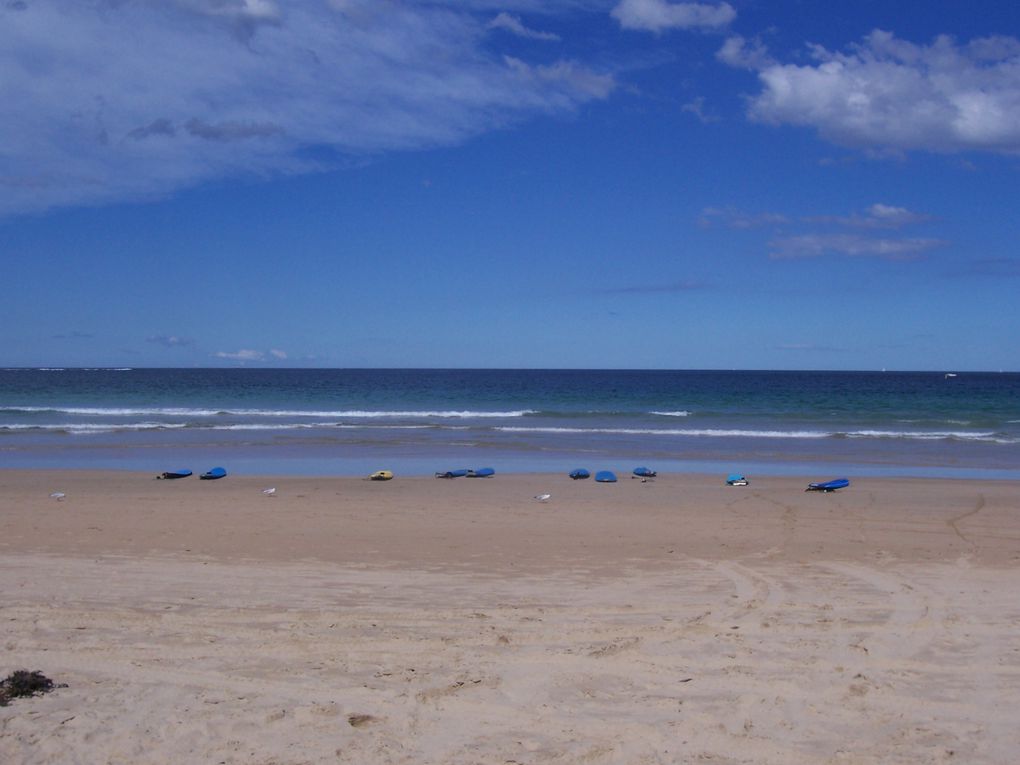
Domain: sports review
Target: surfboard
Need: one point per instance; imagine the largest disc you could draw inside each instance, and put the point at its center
(643, 472)
(481, 473)
(836, 483)
(213, 474)
(452, 474)
(175, 474)
(381, 475)
(735, 479)
(605, 476)
(580, 473)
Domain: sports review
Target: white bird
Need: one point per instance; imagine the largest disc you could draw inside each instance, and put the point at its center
(543, 497)
(269, 492)
(58, 495)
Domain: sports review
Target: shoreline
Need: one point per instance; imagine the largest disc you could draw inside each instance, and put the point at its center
(583, 523)
(285, 462)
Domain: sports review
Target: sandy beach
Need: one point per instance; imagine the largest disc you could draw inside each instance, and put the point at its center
(461, 621)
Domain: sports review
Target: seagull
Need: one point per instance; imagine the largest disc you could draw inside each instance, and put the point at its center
(58, 495)
(269, 492)
(543, 497)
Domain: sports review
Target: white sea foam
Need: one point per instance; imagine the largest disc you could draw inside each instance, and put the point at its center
(793, 434)
(90, 411)
(81, 428)
(932, 435)
(410, 415)
(715, 432)
(316, 425)
(207, 412)
(681, 413)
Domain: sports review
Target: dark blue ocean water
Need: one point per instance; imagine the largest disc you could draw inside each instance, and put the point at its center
(349, 422)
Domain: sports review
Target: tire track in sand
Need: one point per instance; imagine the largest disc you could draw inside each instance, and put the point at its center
(954, 522)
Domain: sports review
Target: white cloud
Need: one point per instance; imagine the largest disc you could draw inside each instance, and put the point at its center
(877, 215)
(868, 234)
(737, 52)
(170, 341)
(736, 219)
(887, 215)
(888, 94)
(242, 355)
(251, 355)
(513, 25)
(853, 245)
(238, 10)
(658, 15)
(130, 100)
(697, 108)
(561, 82)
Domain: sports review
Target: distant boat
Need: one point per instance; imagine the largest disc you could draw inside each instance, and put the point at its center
(381, 475)
(579, 474)
(605, 476)
(212, 475)
(950, 374)
(170, 474)
(481, 473)
(452, 474)
(827, 486)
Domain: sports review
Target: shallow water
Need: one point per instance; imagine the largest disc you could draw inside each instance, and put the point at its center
(301, 421)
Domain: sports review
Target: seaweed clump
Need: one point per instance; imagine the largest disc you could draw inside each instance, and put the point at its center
(24, 683)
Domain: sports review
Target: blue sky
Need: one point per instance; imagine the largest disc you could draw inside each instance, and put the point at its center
(569, 183)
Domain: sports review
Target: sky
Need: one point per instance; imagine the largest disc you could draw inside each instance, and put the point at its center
(750, 184)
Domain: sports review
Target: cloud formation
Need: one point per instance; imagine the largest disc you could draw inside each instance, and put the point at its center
(737, 219)
(170, 341)
(870, 233)
(130, 100)
(877, 215)
(247, 354)
(241, 355)
(515, 26)
(854, 245)
(660, 15)
(888, 94)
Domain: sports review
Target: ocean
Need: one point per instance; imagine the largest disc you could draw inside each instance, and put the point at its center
(419, 421)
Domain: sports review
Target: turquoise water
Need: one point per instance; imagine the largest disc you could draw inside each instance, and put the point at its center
(349, 422)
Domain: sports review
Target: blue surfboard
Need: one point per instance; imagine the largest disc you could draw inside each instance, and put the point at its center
(452, 474)
(213, 474)
(579, 474)
(174, 474)
(605, 476)
(481, 473)
(836, 483)
(643, 472)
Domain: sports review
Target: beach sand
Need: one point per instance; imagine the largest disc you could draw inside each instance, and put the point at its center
(676, 620)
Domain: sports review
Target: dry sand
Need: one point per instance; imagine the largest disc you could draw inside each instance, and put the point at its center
(425, 621)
